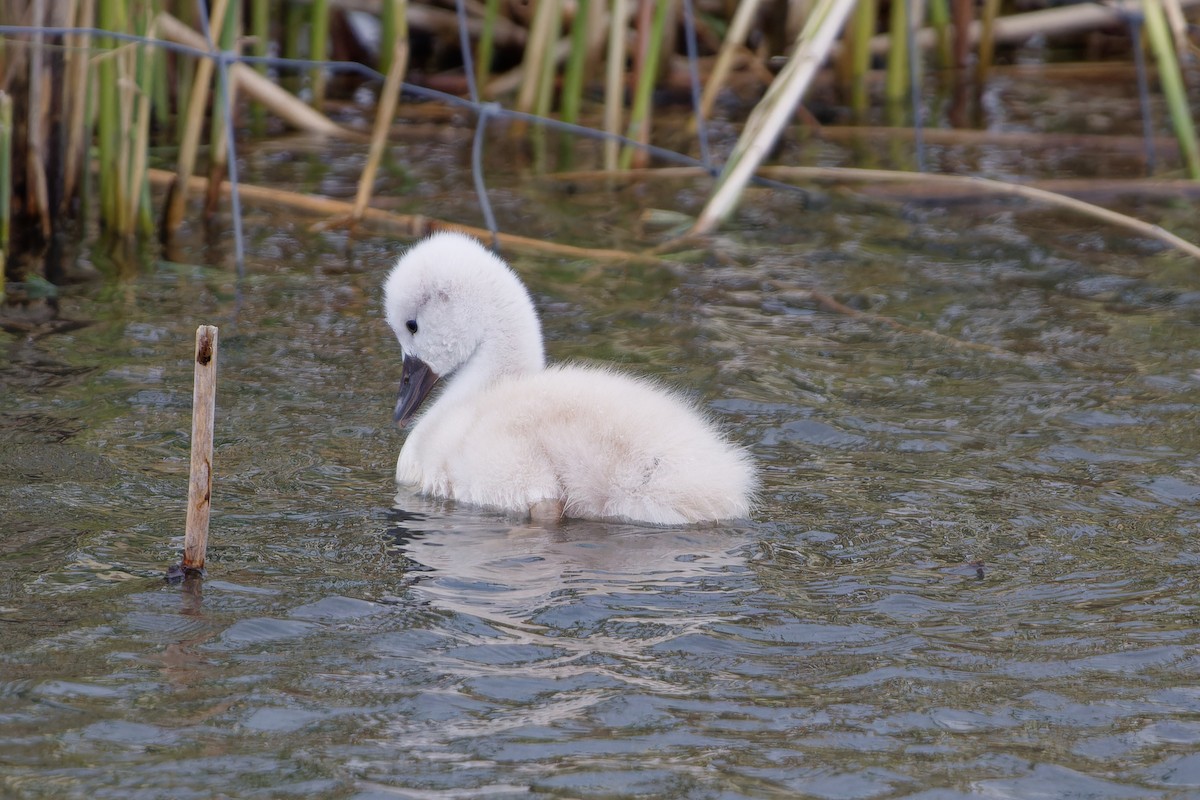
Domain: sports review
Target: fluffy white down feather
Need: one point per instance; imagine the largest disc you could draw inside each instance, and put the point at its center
(507, 432)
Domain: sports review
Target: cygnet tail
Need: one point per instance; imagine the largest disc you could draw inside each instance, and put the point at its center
(703, 481)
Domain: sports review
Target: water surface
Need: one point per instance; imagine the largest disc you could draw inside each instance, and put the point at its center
(971, 572)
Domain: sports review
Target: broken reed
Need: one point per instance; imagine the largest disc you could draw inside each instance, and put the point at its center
(200, 476)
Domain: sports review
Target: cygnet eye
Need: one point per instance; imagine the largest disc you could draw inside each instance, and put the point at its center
(412, 326)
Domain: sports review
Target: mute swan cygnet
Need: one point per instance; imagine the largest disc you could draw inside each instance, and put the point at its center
(510, 433)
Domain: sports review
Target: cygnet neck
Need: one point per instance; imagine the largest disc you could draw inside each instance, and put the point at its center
(510, 345)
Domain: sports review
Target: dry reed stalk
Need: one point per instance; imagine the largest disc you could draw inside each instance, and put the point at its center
(777, 106)
(386, 111)
(598, 20)
(280, 102)
(840, 174)
(918, 189)
(1044, 192)
(204, 394)
(739, 27)
(1093, 142)
(6, 121)
(218, 150)
(548, 67)
(1016, 28)
(37, 194)
(177, 195)
(538, 50)
(141, 143)
(76, 94)
(407, 225)
(614, 86)
(1179, 28)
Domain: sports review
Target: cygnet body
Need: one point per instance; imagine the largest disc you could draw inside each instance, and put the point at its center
(508, 432)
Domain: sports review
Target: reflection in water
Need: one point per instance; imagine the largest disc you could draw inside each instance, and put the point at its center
(545, 635)
(527, 579)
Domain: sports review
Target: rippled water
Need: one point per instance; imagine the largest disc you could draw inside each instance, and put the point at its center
(971, 573)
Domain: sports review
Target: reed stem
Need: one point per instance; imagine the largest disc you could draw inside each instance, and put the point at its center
(897, 82)
(987, 41)
(573, 80)
(77, 94)
(539, 49)
(939, 20)
(318, 48)
(108, 125)
(860, 58)
(766, 122)
(6, 120)
(733, 42)
(204, 396)
(485, 48)
(614, 84)
(138, 212)
(218, 151)
(1171, 79)
(548, 66)
(193, 123)
(293, 24)
(639, 115)
(260, 32)
(389, 96)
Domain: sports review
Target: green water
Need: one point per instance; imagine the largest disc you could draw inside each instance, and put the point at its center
(971, 573)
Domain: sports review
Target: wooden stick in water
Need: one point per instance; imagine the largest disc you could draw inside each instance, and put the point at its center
(195, 538)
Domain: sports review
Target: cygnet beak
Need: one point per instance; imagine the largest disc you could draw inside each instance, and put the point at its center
(415, 382)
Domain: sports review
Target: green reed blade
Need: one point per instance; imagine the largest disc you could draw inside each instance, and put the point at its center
(260, 32)
(897, 81)
(572, 93)
(140, 135)
(860, 57)
(318, 48)
(987, 41)
(108, 125)
(293, 24)
(1171, 79)
(939, 20)
(389, 22)
(485, 49)
(639, 114)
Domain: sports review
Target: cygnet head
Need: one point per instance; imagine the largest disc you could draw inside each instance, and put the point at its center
(457, 309)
